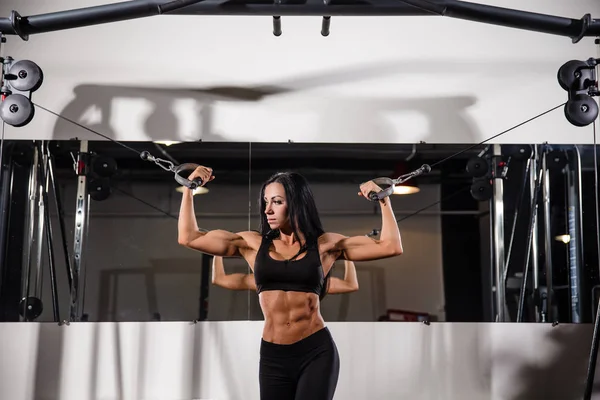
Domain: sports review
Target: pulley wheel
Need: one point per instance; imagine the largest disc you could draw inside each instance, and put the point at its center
(16, 110)
(581, 110)
(104, 166)
(556, 160)
(99, 189)
(25, 76)
(30, 308)
(518, 152)
(477, 167)
(481, 190)
(571, 72)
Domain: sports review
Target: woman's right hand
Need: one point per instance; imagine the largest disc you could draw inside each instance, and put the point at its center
(202, 172)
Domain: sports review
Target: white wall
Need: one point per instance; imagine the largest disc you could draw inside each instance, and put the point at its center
(374, 79)
(135, 266)
(219, 361)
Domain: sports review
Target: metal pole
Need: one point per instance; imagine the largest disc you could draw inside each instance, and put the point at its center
(470, 11)
(575, 244)
(534, 233)
(518, 203)
(14, 204)
(49, 236)
(533, 212)
(61, 218)
(80, 234)
(591, 372)
(30, 234)
(204, 286)
(548, 237)
(497, 206)
(39, 237)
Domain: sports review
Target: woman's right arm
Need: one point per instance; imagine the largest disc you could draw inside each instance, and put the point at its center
(216, 242)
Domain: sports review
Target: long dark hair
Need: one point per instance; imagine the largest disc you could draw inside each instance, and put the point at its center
(302, 210)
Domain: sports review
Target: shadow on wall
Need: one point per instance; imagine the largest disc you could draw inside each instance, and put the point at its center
(560, 375)
(443, 114)
(156, 112)
(159, 113)
(353, 119)
(49, 362)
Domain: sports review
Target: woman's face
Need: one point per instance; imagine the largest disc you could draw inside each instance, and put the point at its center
(275, 205)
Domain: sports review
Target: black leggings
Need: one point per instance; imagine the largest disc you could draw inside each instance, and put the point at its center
(305, 370)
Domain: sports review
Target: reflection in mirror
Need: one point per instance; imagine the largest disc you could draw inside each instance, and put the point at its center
(131, 265)
(467, 231)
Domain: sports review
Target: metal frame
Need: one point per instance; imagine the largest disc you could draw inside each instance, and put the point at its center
(575, 29)
(530, 255)
(497, 225)
(30, 239)
(82, 206)
(39, 230)
(574, 221)
(591, 372)
(547, 239)
(13, 207)
(533, 176)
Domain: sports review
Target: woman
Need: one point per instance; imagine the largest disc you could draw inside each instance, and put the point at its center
(290, 256)
(239, 281)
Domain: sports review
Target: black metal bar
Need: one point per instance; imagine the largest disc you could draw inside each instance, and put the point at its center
(5, 173)
(88, 16)
(577, 280)
(518, 205)
(511, 18)
(176, 5)
(534, 207)
(550, 24)
(61, 218)
(591, 370)
(5, 197)
(548, 238)
(593, 358)
(276, 25)
(325, 25)
(52, 264)
(14, 185)
(44, 172)
(204, 286)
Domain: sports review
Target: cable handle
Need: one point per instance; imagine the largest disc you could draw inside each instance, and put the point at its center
(191, 184)
(373, 196)
(169, 166)
(424, 169)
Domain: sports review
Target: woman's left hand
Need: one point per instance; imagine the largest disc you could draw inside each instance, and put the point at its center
(367, 188)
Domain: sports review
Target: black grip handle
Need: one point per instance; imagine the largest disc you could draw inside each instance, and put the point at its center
(384, 192)
(195, 183)
(373, 196)
(191, 184)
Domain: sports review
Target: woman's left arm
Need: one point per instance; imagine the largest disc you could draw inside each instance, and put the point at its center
(362, 248)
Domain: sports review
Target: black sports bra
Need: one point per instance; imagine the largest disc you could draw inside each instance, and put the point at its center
(299, 275)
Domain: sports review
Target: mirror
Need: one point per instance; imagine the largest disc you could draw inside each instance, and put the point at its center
(133, 269)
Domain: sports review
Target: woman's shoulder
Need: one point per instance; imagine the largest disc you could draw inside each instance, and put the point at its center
(253, 238)
(329, 239)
